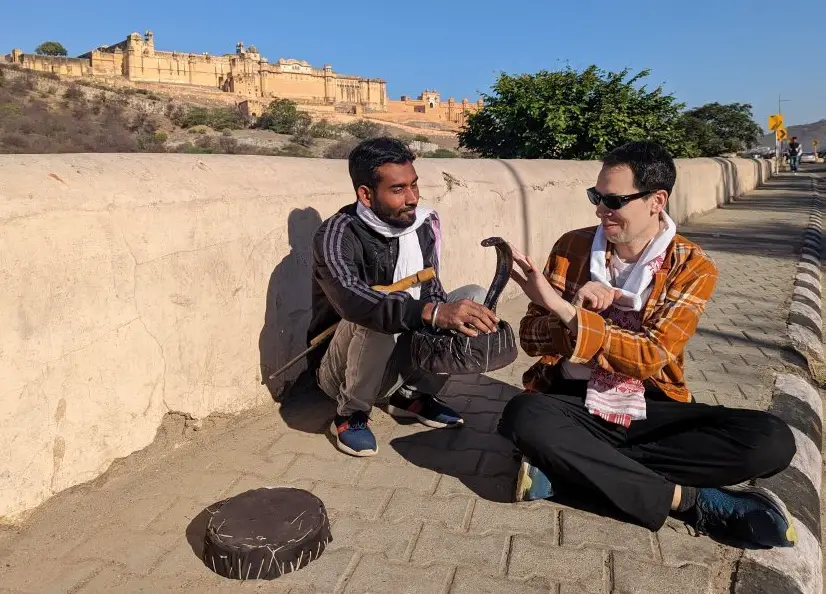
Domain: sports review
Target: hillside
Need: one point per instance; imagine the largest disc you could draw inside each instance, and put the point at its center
(43, 113)
(805, 133)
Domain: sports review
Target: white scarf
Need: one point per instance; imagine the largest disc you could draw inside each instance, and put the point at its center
(410, 260)
(613, 396)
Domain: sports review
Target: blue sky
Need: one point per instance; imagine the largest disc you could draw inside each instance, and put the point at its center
(722, 50)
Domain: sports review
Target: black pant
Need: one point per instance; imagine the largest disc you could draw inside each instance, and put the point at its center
(636, 469)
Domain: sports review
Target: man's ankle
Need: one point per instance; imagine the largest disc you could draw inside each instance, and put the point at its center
(688, 499)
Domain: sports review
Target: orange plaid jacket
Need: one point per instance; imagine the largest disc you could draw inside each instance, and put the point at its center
(654, 355)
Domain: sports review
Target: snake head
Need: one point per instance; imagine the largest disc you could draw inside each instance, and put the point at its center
(504, 265)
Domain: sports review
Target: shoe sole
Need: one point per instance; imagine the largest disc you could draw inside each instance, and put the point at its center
(523, 481)
(348, 450)
(772, 500)
(406, 414)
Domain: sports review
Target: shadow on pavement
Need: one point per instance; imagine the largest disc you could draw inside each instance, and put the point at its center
(477, 455)
(304, 407)
(195, 532)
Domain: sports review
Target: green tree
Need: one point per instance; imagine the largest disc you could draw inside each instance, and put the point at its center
(51, 48)
(281, 116)
(715, 129)
(365, 129)
(568, 114)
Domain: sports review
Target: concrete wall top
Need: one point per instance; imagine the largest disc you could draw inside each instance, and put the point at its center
(136, 285)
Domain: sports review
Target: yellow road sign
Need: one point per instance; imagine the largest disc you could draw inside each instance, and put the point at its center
(815, 142)
(781, 134)
(775, 122)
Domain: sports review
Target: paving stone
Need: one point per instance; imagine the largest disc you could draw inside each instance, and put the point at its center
(678, 546)
(416, 432)
(321, 575)
(270, 468)
(182, 561)
(344, 470)
(580, 528)
(112, 579)
(582, 567)
(494, 464)
(469, 439)
(380, 474)
(446, 461)
(177, 517)
(49, 578)
(365, 503)
(295, 442)
(376, 537)
(571, 589)
(437, 545)
(470, 581)
(536, 518)
(487, 404)
(473, 380)
(407, 506)
(147, 548)
(254, 481)
(138, 514)
(481, 422)
(631, 572)
(378, 575)
(497, 488)
(205, 485)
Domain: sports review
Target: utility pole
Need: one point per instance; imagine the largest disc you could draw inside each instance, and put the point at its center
(779, 143)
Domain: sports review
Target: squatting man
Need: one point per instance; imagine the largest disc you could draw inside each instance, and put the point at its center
(606, 412)
(384, 236)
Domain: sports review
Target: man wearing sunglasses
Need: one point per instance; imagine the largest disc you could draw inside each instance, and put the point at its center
(606, 411)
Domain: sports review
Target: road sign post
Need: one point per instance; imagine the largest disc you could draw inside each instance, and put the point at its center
(776, 124)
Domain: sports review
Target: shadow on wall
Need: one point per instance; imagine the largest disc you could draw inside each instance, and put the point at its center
(523, 205)
(288, 309)
(731, 181)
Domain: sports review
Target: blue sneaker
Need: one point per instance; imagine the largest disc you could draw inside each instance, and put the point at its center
(426, 409)
(353, 435)
(744, 515)
(532, 483)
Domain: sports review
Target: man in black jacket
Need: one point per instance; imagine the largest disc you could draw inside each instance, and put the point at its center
(382, 238)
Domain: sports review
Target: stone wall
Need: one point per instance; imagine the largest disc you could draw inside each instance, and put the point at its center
(136, 285)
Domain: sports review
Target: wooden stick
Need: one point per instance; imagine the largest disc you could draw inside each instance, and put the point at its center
(401, 285)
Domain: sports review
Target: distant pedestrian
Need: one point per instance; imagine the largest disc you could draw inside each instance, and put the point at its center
(795, 150)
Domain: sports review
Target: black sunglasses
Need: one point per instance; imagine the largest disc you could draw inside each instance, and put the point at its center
(614, 201)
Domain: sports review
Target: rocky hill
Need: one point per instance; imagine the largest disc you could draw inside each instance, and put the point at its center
(43, 113)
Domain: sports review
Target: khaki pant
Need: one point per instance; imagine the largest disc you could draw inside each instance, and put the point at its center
(362, 367)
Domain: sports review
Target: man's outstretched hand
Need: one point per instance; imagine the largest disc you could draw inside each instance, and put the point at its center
(532, 281)
(534, 284)
(465, 316)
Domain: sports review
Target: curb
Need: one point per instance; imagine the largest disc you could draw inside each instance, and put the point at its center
(799, 569)
(804, 325)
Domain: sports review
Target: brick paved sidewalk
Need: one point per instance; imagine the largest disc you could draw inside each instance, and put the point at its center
(429, 513)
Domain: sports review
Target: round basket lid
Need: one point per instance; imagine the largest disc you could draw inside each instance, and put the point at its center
(265, 533)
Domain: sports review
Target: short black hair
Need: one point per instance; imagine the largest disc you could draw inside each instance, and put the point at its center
(652, 166)
(368, 155)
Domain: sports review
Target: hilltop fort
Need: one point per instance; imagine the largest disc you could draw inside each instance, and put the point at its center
(247, 79)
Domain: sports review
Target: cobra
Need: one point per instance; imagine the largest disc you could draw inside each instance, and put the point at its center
(446, 352)
(504, 266)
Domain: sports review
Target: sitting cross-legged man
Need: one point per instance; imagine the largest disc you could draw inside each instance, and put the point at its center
(606, 411)
(384, 236)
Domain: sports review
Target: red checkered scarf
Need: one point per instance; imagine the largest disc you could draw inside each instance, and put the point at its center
(615, 397)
